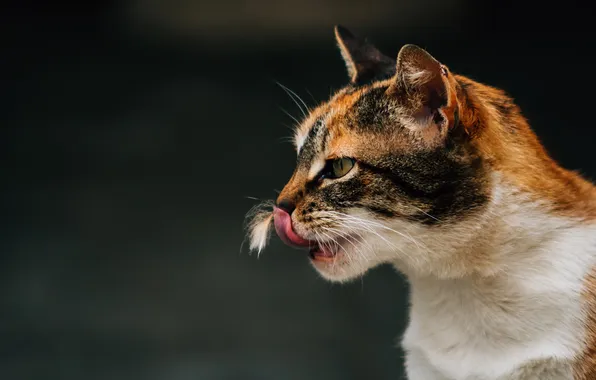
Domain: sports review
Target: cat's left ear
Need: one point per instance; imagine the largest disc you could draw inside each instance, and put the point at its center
(363, 61)
(427, 90)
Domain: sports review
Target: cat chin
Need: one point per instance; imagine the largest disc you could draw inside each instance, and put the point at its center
(340, 270)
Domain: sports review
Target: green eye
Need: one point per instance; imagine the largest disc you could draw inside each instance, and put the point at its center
(340, 167)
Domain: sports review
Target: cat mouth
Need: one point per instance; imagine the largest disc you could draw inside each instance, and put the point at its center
(325, 254)
(284, 229)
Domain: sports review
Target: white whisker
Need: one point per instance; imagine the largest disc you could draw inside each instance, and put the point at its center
(290, 115)
(295, 96)
(365, 225)
(376, 224)
(349, 238)
(425, 213)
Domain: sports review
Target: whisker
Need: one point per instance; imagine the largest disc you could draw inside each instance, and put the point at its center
(369, 229)
(286, 139)
(425, 213)
(365, 225)
(336, 232)
(295, 96)
(348, 237)
(291, 128)
(311, 95)
(368, 225)
(324, 244)
(290, 115)
(377, 224)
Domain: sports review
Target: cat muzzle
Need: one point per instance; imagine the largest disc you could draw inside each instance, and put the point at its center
(285, 231)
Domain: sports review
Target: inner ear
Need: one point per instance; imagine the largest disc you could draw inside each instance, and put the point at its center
(420, 72)
(424, 87)
(364, 62)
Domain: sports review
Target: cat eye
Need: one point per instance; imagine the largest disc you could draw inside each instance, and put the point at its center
(338, 167)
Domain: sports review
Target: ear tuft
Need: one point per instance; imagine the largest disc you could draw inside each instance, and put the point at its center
(364, 62)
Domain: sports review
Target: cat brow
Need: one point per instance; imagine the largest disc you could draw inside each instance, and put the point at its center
(314, 142)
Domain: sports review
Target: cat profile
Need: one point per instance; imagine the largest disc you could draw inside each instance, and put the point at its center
(442, 177)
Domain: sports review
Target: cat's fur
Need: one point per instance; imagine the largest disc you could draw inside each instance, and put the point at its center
(453, 188)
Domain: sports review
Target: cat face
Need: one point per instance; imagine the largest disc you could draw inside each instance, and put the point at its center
(381, 166)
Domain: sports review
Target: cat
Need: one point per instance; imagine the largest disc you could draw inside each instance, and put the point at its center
(442, 177)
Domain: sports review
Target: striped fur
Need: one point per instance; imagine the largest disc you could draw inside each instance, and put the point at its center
(453, 188)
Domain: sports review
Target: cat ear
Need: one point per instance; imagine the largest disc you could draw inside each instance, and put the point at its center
(363, 61)
(427, 90)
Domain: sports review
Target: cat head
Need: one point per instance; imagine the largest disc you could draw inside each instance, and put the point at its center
(386, 169)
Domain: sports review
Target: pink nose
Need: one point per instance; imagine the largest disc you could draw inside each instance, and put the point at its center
(283, 227)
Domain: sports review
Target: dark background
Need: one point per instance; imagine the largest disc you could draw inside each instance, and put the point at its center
(132, 134)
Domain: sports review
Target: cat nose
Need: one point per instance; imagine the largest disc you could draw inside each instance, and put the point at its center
(286, 204)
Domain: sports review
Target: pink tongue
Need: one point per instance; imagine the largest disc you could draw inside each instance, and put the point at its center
(283, 227)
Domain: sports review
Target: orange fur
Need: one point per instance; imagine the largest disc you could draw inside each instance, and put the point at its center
(512, 148)
(294, 189)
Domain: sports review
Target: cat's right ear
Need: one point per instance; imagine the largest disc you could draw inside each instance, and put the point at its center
(363, 61)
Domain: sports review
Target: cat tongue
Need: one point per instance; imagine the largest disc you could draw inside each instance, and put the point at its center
(283, 227)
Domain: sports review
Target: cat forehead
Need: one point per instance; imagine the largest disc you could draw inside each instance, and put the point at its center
(323, 120)
(356, 122)
(350, 110)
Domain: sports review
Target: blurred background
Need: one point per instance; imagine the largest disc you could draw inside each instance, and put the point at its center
(132, 133)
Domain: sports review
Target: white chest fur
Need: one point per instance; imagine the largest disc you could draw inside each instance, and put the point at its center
(500, 327)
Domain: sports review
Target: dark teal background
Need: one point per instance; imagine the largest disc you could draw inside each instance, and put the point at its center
(128, 153)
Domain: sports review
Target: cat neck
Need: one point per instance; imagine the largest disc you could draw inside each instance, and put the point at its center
(524, 303)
